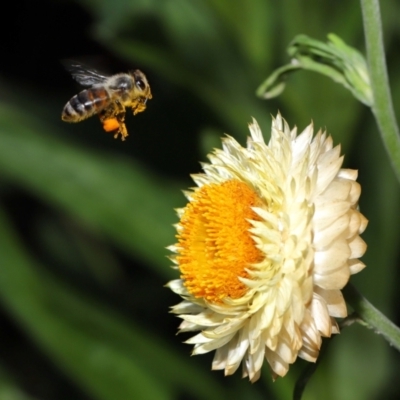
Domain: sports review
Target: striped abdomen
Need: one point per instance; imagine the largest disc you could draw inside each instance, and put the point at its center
(85, 104)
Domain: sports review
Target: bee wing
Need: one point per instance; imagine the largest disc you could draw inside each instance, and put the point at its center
(84, 75)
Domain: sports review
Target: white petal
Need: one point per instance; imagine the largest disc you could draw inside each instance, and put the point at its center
(286, 351)
(199, 339)
(326, 213)
(186, 307)
(323, 238)
(220, 358)
(334, 300)
(338, 190)
(276, 363)
(224, 329)
(333, 258)
(357, 247)
(351, 174)
(257, 361)
(336, 280)
(255, 132)
(354, 224)
(212, 345)
(355, 192)
(356, 266)
(364, 223)
(177, 287)
(186, 326)
(335, 326)
(330, 164)
(204, 318)
(320, 313)
(237, 351)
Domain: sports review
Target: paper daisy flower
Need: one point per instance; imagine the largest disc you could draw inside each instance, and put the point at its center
(267, 241)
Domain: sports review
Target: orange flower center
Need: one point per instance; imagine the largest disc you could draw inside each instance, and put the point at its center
(215, 245)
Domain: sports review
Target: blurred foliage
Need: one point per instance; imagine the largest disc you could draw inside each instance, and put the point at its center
(85, 219)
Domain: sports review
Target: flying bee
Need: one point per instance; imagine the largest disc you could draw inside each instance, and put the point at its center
(107, 96)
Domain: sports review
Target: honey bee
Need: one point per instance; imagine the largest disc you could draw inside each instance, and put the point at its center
(107, 96)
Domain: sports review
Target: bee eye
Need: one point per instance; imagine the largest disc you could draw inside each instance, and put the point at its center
(140, 84)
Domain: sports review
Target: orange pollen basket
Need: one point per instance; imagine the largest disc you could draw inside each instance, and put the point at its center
(110, 125)
(214, 242)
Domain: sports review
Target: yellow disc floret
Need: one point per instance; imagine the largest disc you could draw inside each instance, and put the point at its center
(215, 245)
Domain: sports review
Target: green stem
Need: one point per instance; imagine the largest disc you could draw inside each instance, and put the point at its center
(382, 106)
(371, 316)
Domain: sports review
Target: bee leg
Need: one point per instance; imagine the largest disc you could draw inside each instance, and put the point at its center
(120, 117)
(109, 112)
(122, 127)
(139, 105)
(113, 118)
(107, 118)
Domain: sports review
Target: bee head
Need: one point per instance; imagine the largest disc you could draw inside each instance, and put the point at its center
(140, 84)
(140, 80)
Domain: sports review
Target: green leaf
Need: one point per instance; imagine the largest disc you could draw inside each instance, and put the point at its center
(336, 60)
(275, 84)
(9, 390)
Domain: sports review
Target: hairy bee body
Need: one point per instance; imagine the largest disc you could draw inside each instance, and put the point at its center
(108, 97)
(85, 104)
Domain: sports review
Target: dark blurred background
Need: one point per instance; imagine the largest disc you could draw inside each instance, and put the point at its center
(85, 219)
